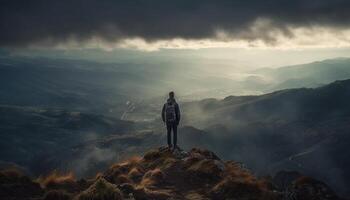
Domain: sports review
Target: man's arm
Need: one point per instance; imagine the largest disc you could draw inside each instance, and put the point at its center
(178, 114)
(163, 112)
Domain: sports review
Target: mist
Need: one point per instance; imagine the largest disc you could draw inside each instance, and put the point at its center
(193, 74)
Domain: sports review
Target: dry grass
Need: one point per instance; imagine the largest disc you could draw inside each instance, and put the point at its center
(153, 177)
(101, 190)
(204, 153)
(135, 174)
(205, 167)
(145, 193)
(240, 183)
(122, 179)
(114, 173)
(128, 164)
(58, 180)
(235, 188)
(203, 172)
(152, 155)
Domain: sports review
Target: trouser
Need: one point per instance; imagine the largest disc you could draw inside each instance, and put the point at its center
(172, 127)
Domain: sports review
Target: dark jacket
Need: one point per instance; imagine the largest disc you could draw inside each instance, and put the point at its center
(177, 110)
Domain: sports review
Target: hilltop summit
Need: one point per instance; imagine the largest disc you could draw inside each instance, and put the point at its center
(164, 174)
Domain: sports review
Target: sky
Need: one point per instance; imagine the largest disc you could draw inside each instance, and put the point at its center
(274, 32)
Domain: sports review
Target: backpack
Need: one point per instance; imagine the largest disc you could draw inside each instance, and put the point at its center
(170, 113)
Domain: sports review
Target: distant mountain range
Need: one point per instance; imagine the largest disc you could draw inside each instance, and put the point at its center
(305, 75)
(104, 87)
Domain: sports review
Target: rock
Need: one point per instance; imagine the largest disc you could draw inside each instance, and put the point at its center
(57, 195)
(126, 188)
(284, 178)
(205, 153)
(307, 188)
(180, 154)
(220, 164)
(15, 185)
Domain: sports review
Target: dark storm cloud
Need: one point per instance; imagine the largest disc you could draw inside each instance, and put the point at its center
(29, 22)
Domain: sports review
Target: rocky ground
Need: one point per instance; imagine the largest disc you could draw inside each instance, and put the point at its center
(165, 174)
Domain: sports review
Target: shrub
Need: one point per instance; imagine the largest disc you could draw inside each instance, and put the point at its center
(101, 190)
(56, 178)
(135, 174)
(115, 171)
(153, 177)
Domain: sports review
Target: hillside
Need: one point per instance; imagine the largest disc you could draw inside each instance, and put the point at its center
(298, 129)
(313, 74)
(291, 104)
(163, 174)
(30, 134)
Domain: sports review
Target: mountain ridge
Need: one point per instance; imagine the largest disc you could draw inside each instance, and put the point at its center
(167, 174)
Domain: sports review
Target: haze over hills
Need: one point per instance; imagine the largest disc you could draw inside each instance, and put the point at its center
(101, 87)
(82, 84)
(82, 116)
(307, 75)
(301, 129)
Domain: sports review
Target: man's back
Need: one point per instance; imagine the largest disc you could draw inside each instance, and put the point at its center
(171, 112)
(171, 117)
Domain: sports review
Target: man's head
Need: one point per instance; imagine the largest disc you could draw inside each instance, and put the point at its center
(171, 95)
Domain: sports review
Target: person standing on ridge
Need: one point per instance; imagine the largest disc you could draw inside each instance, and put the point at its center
(171, 117)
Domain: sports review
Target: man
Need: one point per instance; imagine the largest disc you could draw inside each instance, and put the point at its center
(171, 117)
